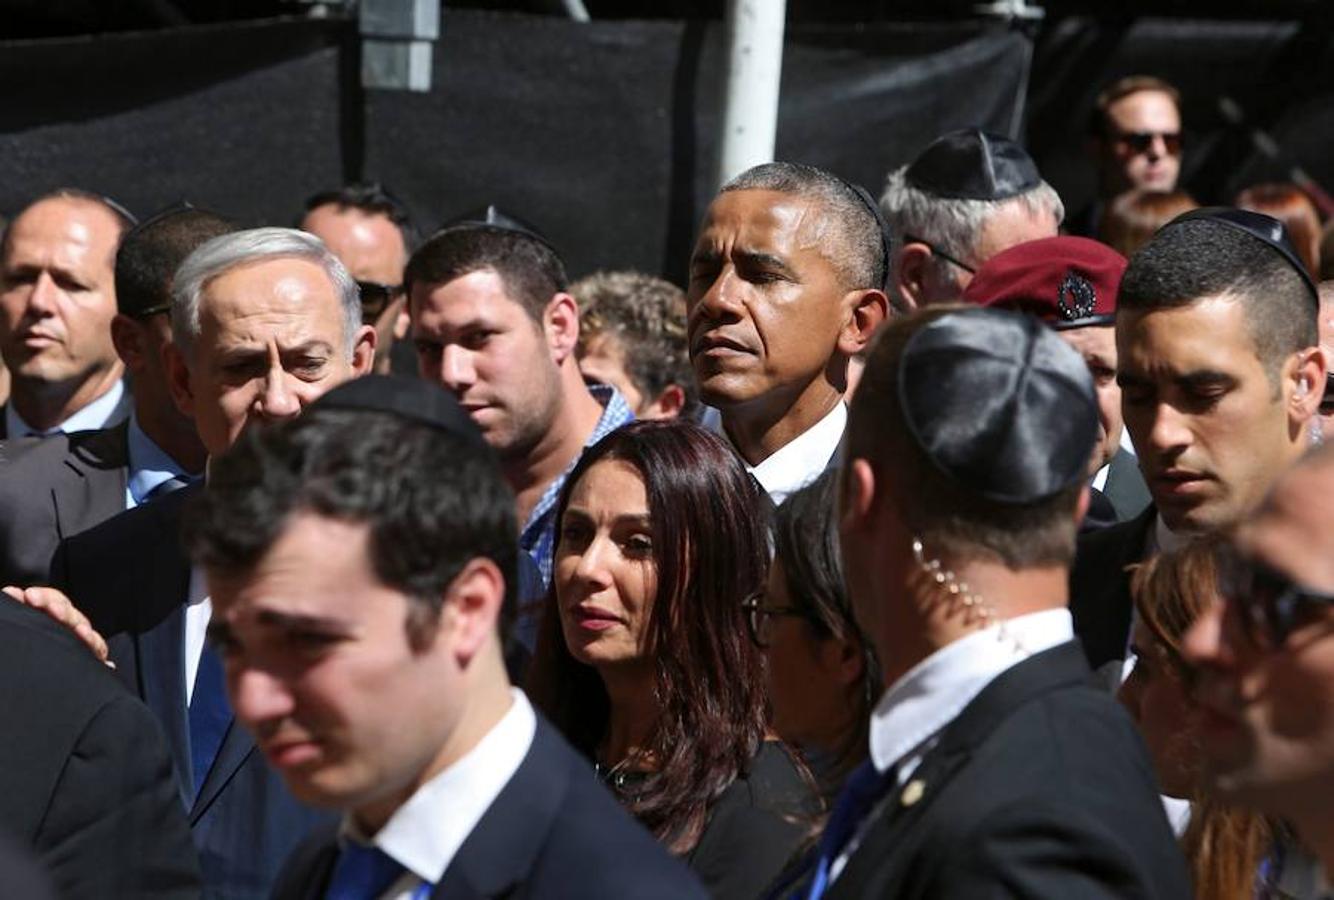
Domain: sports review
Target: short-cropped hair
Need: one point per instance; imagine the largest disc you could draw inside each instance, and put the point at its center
(945, 515)
(152, 252)
(1197, 259)
(951, 223)
(373, 198)
(851, 238)
(125, 220)
(647, 317)
(222, 254)
(432, 501)
(530, 270)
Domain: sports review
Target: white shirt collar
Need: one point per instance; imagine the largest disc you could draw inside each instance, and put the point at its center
(426, 832)
(802, 459)
(109, 409)
(932, 694)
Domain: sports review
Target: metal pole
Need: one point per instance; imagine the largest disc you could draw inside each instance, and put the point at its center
(754, 73)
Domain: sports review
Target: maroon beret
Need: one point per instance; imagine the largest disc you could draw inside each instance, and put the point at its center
(1067, 282)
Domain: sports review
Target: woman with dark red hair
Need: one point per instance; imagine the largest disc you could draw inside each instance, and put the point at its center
(644, 660)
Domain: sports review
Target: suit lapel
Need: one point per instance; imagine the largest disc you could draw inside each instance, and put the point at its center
(237, 745)
(888, 837)
(93, 487)
(161, 652)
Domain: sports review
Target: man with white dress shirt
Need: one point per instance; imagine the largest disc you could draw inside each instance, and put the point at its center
(56, 486)
(995, 766)
(264, 321)
(1221, 378)
(57, 300)
(357, 610)
(787, 283)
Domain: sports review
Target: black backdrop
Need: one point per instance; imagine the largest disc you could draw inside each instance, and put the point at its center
(603, 133)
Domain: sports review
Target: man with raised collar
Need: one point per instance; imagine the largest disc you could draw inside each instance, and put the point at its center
(995, 766)
(54, 487)
(1221, 379)
(1070, 283)
(371, 672)
(969, 195)
(787, 283)
(57, 300)
(264, 321)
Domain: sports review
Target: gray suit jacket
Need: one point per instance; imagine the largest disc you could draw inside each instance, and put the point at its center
(52, 488)
(1125, 486)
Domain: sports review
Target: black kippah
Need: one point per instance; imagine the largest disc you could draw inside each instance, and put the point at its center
(973, 165)
(1259, 226)
(493, 218)
(1000, 404)
(414, 399)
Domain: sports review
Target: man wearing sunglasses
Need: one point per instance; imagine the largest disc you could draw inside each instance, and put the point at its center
(1265, 659)
(1135, 138)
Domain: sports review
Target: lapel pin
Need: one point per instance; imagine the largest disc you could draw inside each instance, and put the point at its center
(912, 792)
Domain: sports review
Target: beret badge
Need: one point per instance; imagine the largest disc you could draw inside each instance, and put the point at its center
(1076, 297)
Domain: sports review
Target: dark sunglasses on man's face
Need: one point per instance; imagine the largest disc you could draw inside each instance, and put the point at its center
(1271, 604)
(375, 297)
(1141, 141)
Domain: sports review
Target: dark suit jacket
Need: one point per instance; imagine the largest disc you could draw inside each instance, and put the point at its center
(553, 832)
(1100, 591)
(131, 577)
(53, 488)
(85, 779)
(1125, 486)
(1040, 788)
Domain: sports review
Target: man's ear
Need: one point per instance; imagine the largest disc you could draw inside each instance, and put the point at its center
(667, 405)
(1082, 506)
(363, 350)
(1307, 380)
(127, 336)
(560, 324)
(869, 309)
(857, 506)
(910, 273)
(178, 379)
(471, 609)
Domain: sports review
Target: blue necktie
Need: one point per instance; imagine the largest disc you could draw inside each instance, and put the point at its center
(362, 873)
(864, 786)
(209, 714)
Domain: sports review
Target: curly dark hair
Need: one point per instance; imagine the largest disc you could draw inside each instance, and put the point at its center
(711, 553)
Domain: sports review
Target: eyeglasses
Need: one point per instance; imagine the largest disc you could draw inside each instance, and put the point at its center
(375, 297)
(1271, 604)
(1141, 141)
(913, 239)
(759, 618)
(1327, 399)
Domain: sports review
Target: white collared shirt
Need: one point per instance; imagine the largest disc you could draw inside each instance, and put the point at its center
(198, 611)
(912, 713)
(425, 833)
(802, 459)
(109, 409)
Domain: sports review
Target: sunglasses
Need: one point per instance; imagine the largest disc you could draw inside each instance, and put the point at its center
(912, 239)
(1271, 604)
(759, 618)
(1141, 141)
(375, 297)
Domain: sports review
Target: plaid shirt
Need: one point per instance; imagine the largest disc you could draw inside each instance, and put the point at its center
(539, 532)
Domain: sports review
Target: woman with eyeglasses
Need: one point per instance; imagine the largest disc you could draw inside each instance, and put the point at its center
(1232, 852)
(643, 658)
(822, 676)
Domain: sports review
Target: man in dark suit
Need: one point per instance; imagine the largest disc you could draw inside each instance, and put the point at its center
(1221, 379)
(1070, 283)
(57, 299)
(85, 780)
(996, 768)
(263, 322)
(55, 487)
(787, 284)
(356, 608)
